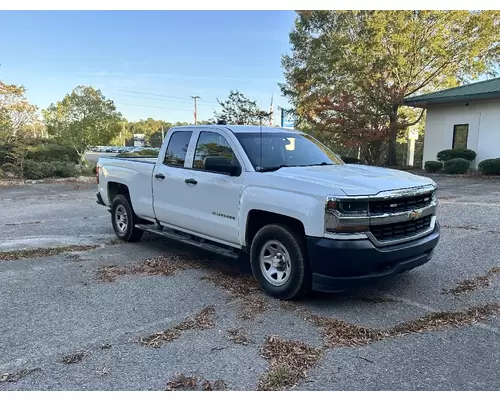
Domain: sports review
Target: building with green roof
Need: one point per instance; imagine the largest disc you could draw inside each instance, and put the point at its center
(467, 116)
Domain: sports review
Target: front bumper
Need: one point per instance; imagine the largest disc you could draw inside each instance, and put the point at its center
(339, 265)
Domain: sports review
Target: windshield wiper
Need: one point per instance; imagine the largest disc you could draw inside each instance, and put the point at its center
(323, 163)
(274, 168)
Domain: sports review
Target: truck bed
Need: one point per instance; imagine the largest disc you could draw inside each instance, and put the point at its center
(134, 172)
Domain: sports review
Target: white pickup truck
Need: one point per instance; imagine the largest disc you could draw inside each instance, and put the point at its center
(307, 220)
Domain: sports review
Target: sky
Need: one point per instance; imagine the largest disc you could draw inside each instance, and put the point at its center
(167, 56)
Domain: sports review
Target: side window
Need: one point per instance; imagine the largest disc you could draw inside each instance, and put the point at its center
(177, 149)
(213, 153)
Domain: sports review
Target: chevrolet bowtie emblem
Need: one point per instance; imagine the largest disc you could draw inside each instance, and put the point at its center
(414, 214)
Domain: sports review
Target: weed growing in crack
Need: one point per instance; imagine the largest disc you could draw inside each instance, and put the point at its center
(289, 362)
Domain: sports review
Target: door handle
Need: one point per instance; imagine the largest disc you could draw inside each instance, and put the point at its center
(191, 181)
(160, 176)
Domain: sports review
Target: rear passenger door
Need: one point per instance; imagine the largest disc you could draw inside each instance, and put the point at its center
(214, 196)
(169, 186)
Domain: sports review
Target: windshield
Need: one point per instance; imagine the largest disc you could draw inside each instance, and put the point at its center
(285, 149)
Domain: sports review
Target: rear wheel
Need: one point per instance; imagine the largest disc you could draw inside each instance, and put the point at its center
(279, 262)
(124, 220)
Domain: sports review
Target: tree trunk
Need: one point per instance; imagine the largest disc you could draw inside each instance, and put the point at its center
(393, 134)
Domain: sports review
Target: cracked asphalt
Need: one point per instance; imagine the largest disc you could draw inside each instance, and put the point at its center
(54, 307)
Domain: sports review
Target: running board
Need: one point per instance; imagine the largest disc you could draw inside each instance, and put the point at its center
(186, 238)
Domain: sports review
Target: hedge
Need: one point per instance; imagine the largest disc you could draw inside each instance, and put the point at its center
(53, 152)
(490, 166)
(450, 154)
(40, 170)
(433, 166)
(456, 166)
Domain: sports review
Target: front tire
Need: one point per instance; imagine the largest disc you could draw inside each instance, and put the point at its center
(279, 262)
(123, 219)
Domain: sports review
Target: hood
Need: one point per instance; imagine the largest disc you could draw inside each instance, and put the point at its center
(355, 180)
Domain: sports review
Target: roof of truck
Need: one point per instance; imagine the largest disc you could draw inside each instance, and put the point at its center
(239, 128)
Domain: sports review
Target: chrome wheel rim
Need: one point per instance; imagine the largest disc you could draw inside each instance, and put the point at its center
(121, 219)
(275, 263)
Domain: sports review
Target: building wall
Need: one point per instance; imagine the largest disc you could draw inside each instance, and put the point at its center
(484, 129)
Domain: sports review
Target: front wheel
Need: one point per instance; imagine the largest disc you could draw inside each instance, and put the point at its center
(123, 220)
(279, 262)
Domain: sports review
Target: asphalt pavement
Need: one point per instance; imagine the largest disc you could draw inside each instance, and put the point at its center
(64, 327)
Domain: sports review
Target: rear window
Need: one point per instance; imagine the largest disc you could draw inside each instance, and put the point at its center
(177, 149)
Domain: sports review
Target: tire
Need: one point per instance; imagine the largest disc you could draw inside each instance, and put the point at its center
(124, 219)
(288, 245)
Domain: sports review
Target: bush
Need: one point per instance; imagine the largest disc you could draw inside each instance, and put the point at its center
(456, 166)
(40, 170)
(350, 160)
(11, 170)
(148, 152)
(88, 170)
(490, 166)
(64, 169)
(53, 152)
(37, 170)
(466, 154)
(4, 156)
(433, 166)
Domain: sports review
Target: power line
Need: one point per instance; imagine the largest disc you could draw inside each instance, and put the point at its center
(143, 105)
(151, 98)
(162, 95)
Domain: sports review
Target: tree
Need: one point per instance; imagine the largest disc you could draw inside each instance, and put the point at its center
(16, 113)
(239, 110)
(83, 118)
(350, 71)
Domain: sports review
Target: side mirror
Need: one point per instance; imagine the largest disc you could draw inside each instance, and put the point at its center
(229, 169)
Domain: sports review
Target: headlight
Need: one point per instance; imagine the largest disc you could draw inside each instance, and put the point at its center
(346, 215)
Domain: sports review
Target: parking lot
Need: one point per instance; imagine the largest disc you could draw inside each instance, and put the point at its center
(81, 311)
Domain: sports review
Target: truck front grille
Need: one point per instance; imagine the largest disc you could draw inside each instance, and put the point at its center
(400, 204)
(401, 230)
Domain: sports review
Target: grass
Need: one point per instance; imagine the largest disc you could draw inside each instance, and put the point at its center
(289, 362)
(42, 252)
(203, 320)
(472, 284)
(183, 382)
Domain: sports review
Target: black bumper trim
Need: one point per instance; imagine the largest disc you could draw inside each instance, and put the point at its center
(339, 265)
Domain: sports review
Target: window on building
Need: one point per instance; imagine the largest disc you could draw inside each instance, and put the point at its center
(213, 153)
(460, 135)
(177, 149)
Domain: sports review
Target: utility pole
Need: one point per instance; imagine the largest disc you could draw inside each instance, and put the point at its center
(195, 110)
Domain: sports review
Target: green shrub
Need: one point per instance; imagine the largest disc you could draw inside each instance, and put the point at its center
(466, 154)
(350, 160)
(490, 166)
(53, 152)
(4, 156)
(433, 166)
(11, 170)
(40, 170)
(148, 152)
(88, 170)
(36, 170)
(456, 166)
(64, 169)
